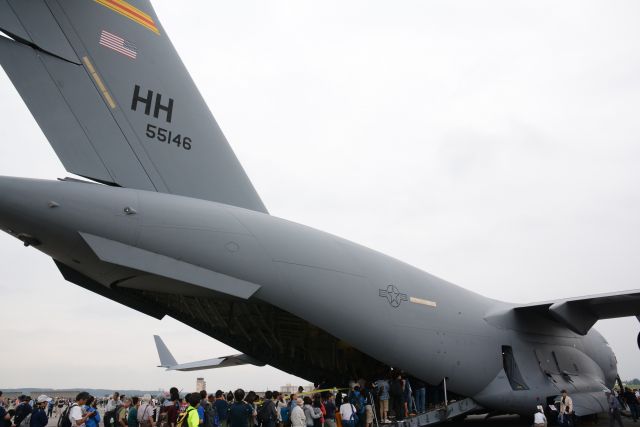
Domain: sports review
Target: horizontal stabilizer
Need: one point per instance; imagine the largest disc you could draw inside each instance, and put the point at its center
(580, 314)
(167, 360)
(220, 362)
(164, 266)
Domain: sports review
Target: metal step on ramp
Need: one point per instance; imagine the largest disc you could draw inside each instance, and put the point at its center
(440, 415)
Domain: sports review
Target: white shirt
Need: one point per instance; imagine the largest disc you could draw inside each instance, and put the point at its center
(111, 405)
(75, 413)
(346, 411)
(145, 411)
(567, 406)
(539, 418)
(297, 417)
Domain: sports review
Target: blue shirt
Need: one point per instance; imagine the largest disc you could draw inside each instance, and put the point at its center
(383, 388)
(222, 408)
(38, 418)
(330, 407)
(240, 414)
(200, 410)
(91, 421)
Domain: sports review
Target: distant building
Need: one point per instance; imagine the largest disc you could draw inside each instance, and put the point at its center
(201, 384)
(289, 388)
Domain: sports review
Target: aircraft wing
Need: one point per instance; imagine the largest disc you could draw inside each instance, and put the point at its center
(580, 314)
(110, 93)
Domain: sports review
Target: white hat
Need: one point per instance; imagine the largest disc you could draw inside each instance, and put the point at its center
(43, 398)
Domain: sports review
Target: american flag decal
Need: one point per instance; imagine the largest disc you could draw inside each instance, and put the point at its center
(118, 44)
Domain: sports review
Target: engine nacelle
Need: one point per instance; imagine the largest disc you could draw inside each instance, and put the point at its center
(638, 340)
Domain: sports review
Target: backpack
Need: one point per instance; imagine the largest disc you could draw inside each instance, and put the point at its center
(26, 421)
(210, 418)
(284, 413)
(109, 417)
(183, 418)
(265, 413)
(353, 420)
(64, 420)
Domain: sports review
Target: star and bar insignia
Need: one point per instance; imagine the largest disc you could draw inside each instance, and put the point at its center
(393, 295)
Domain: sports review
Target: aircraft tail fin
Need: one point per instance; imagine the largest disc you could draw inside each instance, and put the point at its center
(118, 106)
(166, 358)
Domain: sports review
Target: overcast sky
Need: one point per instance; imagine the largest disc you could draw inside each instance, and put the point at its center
(493, 144)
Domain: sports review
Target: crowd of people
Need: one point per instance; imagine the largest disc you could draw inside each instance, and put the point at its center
(362, 404)
(352, 407)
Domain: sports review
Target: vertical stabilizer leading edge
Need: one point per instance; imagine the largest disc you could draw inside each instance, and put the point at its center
(166, 358)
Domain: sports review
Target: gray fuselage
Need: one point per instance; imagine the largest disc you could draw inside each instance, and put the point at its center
(388, 310)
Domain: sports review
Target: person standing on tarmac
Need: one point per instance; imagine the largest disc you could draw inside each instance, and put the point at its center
(222, 408)
(539, 419)
(132, 416)
(5, 417)
(121, 415)
(240, 411)
(39, 416)
(22, 410)
(614, 409)
(348, 413)
(297, 417)
(566, 409)
(269, 411)
(113, 402)
(145, 412)
(76, 416)
(90, 406)
(59, 407)
(193, 420)
(173, 407)
(330, 409)
(631, 400)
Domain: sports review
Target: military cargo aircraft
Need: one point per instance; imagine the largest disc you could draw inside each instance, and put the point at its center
(167, 222)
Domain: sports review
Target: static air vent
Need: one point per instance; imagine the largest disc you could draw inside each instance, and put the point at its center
(511, 369)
